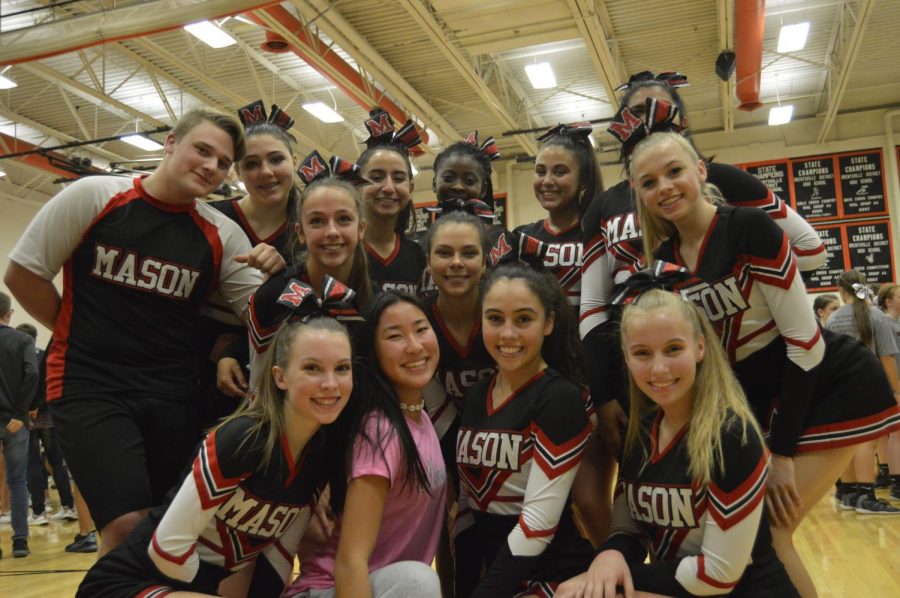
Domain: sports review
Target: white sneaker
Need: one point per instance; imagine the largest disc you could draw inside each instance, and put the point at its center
(64, 513)
(5, 518)
(38, 519)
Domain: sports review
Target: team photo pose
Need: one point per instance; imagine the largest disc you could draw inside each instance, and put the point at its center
(244, 505)
(521, 437)
(395, 261)
(330, 225)
(745, 277)
(566, 180)
(692, 478)
(390, 498)
(121, 373)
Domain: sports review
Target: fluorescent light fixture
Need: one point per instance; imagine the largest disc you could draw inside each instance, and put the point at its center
(210, 34)
(793, 37)
(2, 173)
(323, 112)
(415, 170)
(780, 115)
(145, 143)
(6, 82)
(540, 75)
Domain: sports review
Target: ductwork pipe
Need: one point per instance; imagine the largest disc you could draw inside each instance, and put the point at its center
(749, 28)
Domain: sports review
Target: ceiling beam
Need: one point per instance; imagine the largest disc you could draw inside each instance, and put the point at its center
(436, 33)
(115, 24)
(597, 40)
(59, 135)
(838, 80)
(336, 27)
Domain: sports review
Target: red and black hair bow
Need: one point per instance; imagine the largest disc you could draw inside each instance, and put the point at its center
(255, 114)
(303, 302)
(476, 207)
(315, 167)
(580, 130)
(630, 128)
(382, 132)
(488, 148)
(663, 275)
(670, 78)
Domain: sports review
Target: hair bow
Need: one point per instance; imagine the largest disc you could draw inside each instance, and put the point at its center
(476, 207)
(531, 250)
(488, 148)
(630, 128)
(315, 167)
(382, 132)
(862, 291)
(581, 130)
(255, 114)
(671, 78)
(336, 300)
(663, 275)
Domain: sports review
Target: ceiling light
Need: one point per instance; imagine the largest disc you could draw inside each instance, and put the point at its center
(415, 170)
(210, 34)
(145, 143)
(793, 37)
(780, 115)
(7, 82)
(2, 173)
(540, 75)
(323, 112)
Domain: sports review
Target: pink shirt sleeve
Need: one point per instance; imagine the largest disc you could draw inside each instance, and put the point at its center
(379, 453)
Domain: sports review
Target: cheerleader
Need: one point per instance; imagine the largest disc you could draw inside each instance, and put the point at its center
(566, 180)
(391, 500)
(612, 235)
(395, 262)
(693, 472)
(521, 437)
(331, 227)
(745, 277)
(240, 512)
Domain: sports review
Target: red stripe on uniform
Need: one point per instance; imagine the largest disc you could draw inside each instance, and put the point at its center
(535, 533)
(178, 560)
(211, 232)
(702, 576)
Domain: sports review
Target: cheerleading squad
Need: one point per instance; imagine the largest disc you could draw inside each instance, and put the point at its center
(464, 401)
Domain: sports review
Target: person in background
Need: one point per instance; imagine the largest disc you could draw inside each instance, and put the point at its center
(18, 383)
(824, 306)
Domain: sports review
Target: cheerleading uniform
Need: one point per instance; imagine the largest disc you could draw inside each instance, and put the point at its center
(228, 512)
(746, 280)
(136, 273)
(517, 463)
(613, 251)
(400, 271)
(280, 239)
(563, 255)
(703, 540)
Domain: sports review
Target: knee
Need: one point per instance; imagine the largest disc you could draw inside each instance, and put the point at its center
(406, 578)
(117, 530)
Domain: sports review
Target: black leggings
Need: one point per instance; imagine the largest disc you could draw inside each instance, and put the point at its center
(37, 476)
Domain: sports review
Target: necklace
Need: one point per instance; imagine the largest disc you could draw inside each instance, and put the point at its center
(417, 407)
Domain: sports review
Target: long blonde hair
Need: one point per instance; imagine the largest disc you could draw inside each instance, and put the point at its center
(267, 408)
(718, 397)
(655, 230)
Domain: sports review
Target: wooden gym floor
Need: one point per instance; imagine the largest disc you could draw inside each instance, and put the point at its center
(846, 554)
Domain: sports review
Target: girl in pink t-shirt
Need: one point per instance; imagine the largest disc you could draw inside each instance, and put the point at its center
(391, 501)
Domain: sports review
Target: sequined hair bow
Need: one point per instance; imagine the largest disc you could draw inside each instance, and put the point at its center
(488, 148)
(862, 291)
(315, 167)
(336, 300)
(381, 130)
(631, 128)
(663, 275)
(255, 114)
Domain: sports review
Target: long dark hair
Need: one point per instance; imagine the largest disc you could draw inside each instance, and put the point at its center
(406, 216)
(464, 148)
(589, 178)
(562, 348)
(375, 393)
(273, 130)
(862, 316)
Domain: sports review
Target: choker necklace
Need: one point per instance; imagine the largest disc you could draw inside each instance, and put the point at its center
(413, 408)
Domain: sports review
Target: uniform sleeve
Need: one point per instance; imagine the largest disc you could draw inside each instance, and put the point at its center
(59, 227)
(222, 462)
(597, 331)
(237, 282)
(772, 265)
(559, 434)
(734, 509)
(885, 340)
(740, 188)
